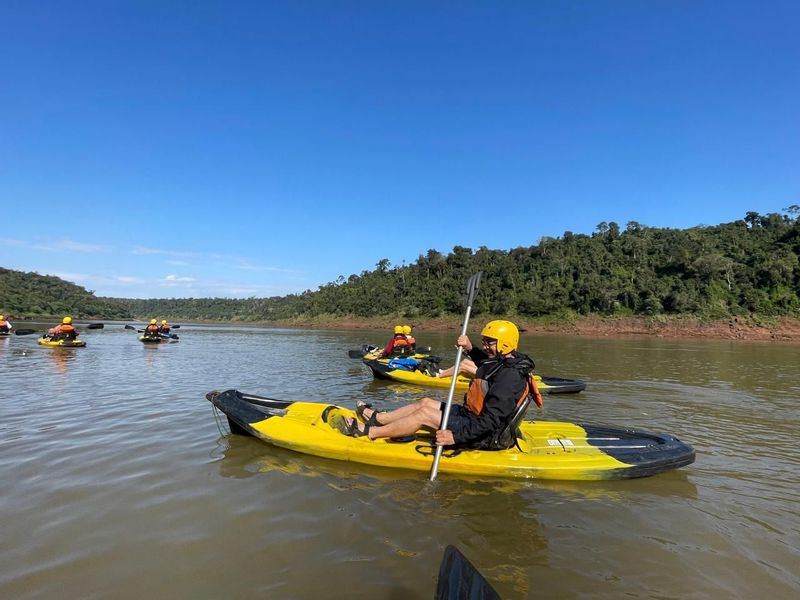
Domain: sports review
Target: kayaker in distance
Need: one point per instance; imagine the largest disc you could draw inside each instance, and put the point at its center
(398, 345)
(5, 325)
(501, 383)
(152, 329)
(65, 331)
(412, 343)
(163, 329)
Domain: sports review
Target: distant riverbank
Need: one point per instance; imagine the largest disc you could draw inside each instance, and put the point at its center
(733, 328)
(747, 328)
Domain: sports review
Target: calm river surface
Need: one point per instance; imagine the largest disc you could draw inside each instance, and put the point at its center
(118, 483)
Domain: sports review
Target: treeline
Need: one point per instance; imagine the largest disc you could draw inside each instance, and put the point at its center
(31, 294)
(750, 266)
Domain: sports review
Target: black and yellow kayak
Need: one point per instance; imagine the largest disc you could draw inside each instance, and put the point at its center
(544, 450)
(385, 369)
(45, 341)
(151, 339)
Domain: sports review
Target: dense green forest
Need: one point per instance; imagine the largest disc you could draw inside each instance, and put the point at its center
(31, 294)
(750, 266)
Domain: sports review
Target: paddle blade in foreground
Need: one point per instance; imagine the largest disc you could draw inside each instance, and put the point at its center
(24, 331)
(458, 579)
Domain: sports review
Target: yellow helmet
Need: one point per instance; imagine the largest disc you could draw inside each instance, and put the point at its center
(506, 334)
(153, 321)
(407, 329)
(398, 329)
(163, 321)
(67, 320)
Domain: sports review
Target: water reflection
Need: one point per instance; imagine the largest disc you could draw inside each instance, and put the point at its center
(60, 359)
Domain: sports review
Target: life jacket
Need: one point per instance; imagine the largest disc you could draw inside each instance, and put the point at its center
(151, 329)
(412, 343)
(478, 388)
(65, 332)
(3, 325)
(163, 329)
(400, 344)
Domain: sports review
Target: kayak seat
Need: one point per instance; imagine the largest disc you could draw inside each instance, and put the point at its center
(507, 437)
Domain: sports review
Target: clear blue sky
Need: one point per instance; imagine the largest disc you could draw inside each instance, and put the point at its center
(238, 148)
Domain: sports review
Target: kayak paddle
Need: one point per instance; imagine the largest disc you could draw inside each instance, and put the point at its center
(472, 288)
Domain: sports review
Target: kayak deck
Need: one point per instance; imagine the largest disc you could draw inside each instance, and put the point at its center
(42, 341)
(381, 370)
(546, 450)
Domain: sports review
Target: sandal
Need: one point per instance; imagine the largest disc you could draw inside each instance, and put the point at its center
(373, 418)
(352, 430)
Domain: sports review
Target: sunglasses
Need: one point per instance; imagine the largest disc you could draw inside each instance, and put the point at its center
(488, 341)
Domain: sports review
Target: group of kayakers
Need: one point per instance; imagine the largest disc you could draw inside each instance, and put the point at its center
(66, 331)
(156, 329)
(502, 380)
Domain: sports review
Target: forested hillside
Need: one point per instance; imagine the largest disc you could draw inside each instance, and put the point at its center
(750, 266)
(31, 294)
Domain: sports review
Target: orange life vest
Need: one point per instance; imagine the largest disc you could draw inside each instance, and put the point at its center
(151, 329)
(63, 329)
(476, 394)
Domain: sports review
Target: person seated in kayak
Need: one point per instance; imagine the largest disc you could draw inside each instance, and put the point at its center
(398, 345)
(410, 341)
(163, 329)
(501, 383)
(151, 330)
(5, 325)
(65, 331)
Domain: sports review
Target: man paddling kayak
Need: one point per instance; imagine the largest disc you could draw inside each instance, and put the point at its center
(502, 382)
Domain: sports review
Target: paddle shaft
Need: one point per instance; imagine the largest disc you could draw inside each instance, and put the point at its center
(472, 288)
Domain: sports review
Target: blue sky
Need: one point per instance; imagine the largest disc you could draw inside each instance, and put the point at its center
(196, 148)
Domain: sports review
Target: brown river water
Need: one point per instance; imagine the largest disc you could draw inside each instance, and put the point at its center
(119, 481)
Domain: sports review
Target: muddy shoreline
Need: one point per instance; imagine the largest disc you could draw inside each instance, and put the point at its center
(734, 328)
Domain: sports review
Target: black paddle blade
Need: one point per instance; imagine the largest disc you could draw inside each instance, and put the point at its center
(460, 580)
(24, 331)
(95, 326)
(130, 327)
(175, 326)
(365, 349)
(472, 287)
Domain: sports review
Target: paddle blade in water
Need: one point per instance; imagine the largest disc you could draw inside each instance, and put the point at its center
(458, 578)
(95, 326)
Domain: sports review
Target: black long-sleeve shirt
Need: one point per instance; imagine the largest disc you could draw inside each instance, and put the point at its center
(507, 378)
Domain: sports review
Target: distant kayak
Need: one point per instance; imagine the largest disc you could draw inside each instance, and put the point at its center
(396, 370)
(543, 449)
(43, 341)
(161, 338)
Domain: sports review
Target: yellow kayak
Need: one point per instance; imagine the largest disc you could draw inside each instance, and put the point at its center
(43, 341)
(384, 369)
(544, 450)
